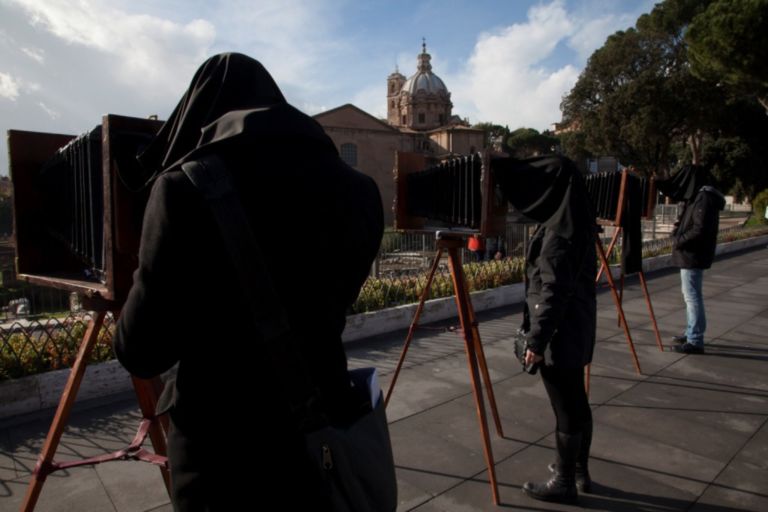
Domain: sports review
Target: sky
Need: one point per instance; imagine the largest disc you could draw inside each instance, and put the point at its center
(66, 63)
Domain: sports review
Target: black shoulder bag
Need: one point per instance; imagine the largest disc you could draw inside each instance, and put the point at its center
(354, 460)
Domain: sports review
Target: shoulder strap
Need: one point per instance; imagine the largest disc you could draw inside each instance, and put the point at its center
(212, 178)
(210, 175)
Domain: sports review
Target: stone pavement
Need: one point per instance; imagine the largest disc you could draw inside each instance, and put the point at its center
(690, 433)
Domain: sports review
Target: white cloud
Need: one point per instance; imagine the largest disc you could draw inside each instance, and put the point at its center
(9, 87)
(372, 99)
(35, 54)
(592, 34)
(161, 52)
(505, 79)
(51, 113)
(509, 77)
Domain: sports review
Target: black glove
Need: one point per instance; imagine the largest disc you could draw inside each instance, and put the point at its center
(521, 346)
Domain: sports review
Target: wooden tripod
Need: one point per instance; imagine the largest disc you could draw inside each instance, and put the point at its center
(147, 392)
(474, 348)
(643, 286)
(617, 294)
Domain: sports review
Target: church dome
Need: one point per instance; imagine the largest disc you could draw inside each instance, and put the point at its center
(424, 79)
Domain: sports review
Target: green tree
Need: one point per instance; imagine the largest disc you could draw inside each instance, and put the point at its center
(727, 44)
(636, 96)
(495, 134)
(525, 142)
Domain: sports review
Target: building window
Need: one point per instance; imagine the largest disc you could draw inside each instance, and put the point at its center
(392, 105)
(442, 119)
(404, 119)
(421, 117)
(349, 154)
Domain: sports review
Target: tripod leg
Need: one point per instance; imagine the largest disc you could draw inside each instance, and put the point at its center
(414, 323)
(621, 295)
(147, 393)
(484, 366)
(43, 466)
(604, 266)
(647, 295)
(616, 301)
(461, 302)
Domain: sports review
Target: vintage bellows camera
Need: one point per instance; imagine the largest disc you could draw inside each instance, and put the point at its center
(455, 194)
(77, 218)
(610, 191)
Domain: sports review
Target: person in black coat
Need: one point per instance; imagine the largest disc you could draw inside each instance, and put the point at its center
(186, 308)
(559, 319)
(694, 240)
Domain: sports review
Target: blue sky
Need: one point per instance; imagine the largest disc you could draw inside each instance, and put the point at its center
(65, 63)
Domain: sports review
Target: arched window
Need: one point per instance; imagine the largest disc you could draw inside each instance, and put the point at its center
(349, 154)
(421, 118)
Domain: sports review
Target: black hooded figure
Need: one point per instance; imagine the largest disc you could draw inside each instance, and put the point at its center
(694, 239)
(560, 308)
(185, 307)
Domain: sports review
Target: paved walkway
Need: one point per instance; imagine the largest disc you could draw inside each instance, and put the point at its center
(690, 433)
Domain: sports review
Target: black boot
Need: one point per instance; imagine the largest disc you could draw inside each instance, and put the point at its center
(583, 480)
(562, 486)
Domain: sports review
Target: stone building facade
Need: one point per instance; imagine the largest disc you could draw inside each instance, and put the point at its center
(419, 119)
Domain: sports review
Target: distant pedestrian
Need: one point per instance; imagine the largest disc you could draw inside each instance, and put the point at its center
(694, 239)
(476, 244)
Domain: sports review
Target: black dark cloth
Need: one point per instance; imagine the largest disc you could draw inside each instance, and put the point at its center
(561, 260)
(695, 237)
(632, 229)
(685, 183)
(548, 190)
(185, 306)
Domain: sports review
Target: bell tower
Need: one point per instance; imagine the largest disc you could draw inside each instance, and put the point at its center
(395, 83)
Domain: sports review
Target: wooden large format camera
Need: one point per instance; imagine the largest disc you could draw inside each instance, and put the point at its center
(610, 191)
(457, 194)
(77, 224)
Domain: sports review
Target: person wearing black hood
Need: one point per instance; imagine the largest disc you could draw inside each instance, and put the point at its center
(694, 239)
(187, 307)
(559, 318)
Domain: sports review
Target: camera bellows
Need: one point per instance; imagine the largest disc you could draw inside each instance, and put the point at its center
(72, 180)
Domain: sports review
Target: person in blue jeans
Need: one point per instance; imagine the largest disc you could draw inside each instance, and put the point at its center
(693, 246)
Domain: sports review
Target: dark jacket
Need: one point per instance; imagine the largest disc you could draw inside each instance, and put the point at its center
(561, 263)
(560, 300)
(186, 307)
(695, 237)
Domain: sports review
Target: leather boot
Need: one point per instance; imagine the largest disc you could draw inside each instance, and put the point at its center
(561, 487)
(583, 480)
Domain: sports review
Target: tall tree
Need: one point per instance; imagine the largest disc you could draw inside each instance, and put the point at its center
(727, 44)
(495, 135)
(525, 142)
(637, 95)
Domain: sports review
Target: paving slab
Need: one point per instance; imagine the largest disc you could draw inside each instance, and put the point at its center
(688, 433)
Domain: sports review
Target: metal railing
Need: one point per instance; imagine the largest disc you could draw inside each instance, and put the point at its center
(35, 346)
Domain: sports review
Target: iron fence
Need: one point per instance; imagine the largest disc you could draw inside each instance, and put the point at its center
(34, 346)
